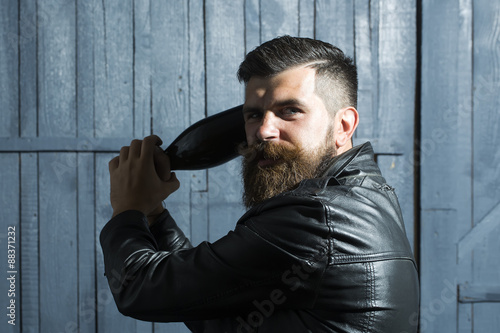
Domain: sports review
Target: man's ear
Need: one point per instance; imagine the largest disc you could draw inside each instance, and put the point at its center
(346, 121)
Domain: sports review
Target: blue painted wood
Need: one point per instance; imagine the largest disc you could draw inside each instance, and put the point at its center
(85, 68)
(224, 51)
(306, 18)
(58, 242)
(396, 100)
(464, 137)
(252, 25)
(87, 317)
(334, 23)
(30, 18)
(91, 82)
(444, 158)
(479, 293)
(10, 235)
(197, 77)
(486, 155)
(56, 69)
(9, 75)
(30, 231)
(113, 68)
(170, 99)
(108, 317)
(143, 42)
(367, 79)
(279, 18)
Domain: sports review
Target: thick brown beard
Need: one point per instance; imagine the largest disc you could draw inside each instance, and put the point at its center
(295, 164)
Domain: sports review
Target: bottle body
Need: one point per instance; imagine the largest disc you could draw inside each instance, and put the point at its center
(209, 142)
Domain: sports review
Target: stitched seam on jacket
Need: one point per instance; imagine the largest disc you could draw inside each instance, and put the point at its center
(359, 258)
(371, 282)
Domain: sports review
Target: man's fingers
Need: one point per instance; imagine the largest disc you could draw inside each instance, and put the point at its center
(171, 185)
(149, 144)
(113, 164)
(135, 148)
(124, 154)
(162, 164)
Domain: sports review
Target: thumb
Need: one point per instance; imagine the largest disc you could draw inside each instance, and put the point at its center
(162, 164)
(171, 185)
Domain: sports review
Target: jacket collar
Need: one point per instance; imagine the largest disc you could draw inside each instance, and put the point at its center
(357, 161)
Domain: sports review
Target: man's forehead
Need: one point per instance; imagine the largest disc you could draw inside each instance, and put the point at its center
(294, 83)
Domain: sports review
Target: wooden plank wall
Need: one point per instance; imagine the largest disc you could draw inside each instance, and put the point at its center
(79, 79)
(460, 173)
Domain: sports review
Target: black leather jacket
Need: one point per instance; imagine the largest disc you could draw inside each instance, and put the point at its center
(329, 256)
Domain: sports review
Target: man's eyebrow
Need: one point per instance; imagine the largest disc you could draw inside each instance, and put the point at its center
(277, 104)
(286, 102)
(251, 109)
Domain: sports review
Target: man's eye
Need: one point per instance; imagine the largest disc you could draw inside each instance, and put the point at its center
(290, 111)
(253, 115)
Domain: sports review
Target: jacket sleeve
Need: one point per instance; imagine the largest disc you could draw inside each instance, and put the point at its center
(155, 275)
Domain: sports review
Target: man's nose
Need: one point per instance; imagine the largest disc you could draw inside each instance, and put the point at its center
(268, 129)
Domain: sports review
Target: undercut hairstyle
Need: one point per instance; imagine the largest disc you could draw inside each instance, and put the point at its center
(336, 75)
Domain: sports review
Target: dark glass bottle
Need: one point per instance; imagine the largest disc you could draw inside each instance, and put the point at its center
(209, 142)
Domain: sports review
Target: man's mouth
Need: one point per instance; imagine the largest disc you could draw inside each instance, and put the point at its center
(264, 162)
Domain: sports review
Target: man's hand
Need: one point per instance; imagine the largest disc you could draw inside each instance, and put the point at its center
(140, 177)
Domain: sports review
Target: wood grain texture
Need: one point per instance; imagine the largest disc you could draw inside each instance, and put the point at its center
(79, 79)
(334, 23)
(108, 317)
(113, 68)
(279, 18)
(56, 69)
(9, 69)
(29, 19)
(445, 158)
(396, 101)
(463, 128)
(58, 241)
(10, 234)
(225, 49)
(486, 155)
(87, 316)
(30, 231)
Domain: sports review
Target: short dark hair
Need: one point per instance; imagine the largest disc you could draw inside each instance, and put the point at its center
(336, 80)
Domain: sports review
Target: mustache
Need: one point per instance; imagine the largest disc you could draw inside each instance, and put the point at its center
(268, 150)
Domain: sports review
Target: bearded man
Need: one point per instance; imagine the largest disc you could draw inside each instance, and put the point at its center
(322, 247)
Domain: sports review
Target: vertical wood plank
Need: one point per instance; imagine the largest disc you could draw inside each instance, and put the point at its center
(486, 155)
(252, 25)
(170, 68)
(86, 243)
(29, 243)
(56, 69)
(462, 124)
(197, 110)
(334, 23)
(9, 69)
(10, 231)
(58, 242)
(438, 276)
(170, 61)
(225, 46)
(85, 68)
(113, 68)
(440, 146)
(397, 62)
(306, 18)
(108, 317)
(279, 18)
(30, 18)
(367, 85)
(143, 41)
